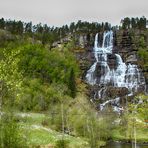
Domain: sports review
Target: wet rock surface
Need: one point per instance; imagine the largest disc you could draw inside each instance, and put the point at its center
(113, 73)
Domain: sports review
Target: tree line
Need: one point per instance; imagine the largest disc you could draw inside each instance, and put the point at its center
(135, 23)
(49, 34)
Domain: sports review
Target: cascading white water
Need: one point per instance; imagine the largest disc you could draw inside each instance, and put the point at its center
(100, 54)
(123, 75)
(127, 76)
(120, 72)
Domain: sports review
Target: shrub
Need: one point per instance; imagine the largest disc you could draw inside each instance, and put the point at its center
(62, 143)
(10, 133)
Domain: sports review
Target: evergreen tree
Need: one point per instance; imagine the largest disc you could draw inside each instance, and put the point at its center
(28, 27)
(19, 27)
(39, 28)
(142, 23)
(2, 23)
(72, 27)
(72, 84)
(106, 26)
(133, 23)
(126, 23)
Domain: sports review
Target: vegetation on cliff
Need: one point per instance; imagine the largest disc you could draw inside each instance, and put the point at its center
(35, 77)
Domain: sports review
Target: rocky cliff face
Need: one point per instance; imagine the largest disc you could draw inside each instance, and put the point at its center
(125, 44)
(128, 43)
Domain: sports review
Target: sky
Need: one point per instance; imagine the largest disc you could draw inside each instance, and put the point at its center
(61, 12)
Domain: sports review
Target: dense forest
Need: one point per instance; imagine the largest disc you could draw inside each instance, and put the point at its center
(47, 34)
(44, 99)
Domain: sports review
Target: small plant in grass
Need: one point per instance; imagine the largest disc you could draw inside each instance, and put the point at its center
(62, 143)
(45, 122)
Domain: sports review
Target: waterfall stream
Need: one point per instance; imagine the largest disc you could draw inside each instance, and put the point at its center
(122, 76)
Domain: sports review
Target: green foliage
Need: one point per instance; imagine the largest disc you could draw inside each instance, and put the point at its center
(85, 122)
(48, 35)
(10, 78)
(10, 132)
(143, 55)
(38, 96)
(133, 121)
(62, 143)
(142, 42)
(72, 84)
(33, 77)
(139, 23)
(2, 23)
(142, 108)
(39, 135)
(46, 72)
(126, 23)
(50, 66)
(5, 38)
(9, 69)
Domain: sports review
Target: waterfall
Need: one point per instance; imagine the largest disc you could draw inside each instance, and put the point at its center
(96, 42)
(127, 75)
(90, 74)
(100, 54)
(122, 76)
(120, 72)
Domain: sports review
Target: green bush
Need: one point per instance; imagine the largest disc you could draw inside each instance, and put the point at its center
(49, 66)
(10, 133)
(62, 143)
(143, 55)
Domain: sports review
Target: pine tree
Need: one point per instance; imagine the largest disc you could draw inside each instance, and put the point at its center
(72, 84)
(126, 23)
(2, 23)
(133, 23)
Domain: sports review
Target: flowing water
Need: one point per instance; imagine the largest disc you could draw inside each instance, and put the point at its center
(122, 76)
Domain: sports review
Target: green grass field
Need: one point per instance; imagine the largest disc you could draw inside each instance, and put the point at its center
(38, 135)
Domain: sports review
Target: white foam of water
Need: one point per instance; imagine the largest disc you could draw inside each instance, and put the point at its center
(127, 76)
